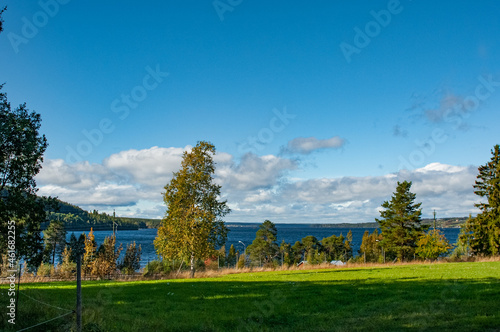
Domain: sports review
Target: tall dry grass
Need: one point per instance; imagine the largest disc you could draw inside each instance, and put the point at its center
(30, 278)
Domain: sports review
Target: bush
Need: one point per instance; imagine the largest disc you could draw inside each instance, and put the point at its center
(241, 262)
(46, 270)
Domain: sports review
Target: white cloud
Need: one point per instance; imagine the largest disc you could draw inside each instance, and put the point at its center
(150, 167)
(256, 187)
(444, 188)
(306, 145)
(253, 172)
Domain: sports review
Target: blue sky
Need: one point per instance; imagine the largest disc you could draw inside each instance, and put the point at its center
(316, 110)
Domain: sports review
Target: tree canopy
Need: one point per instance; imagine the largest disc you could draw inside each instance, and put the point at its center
(401, 223)
(1, 20)
(193, 227)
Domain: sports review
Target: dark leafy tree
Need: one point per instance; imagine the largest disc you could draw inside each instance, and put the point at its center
(400, 223)
(193, 228)
(264, 247)
(21, 156)
(1, 20)
(485, 227)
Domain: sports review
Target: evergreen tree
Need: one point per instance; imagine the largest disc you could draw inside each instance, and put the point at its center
(193, 227)
(264, 247)
(485, 227)
(75, 245)
(67, 267)
(55, 239)
(348, 246)
(310, 244)
(221, 256)
(286, 253)
(298, 252)
(462, 247)
(401, 223)
(132, 260)
(231, 256)
(337, 247)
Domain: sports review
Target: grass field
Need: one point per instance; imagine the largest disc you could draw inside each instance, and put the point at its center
(414, 297)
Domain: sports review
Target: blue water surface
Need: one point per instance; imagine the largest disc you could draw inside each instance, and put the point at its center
(243, 235)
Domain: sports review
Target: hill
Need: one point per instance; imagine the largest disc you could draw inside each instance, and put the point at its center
(77, 219)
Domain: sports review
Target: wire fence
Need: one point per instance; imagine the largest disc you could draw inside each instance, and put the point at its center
(66, 313)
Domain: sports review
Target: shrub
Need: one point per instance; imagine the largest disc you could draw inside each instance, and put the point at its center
(46, 270)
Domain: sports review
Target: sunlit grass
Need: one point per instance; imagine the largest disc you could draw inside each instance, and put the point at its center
(444, 297)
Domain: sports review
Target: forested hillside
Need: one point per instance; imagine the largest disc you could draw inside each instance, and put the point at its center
(75, 218)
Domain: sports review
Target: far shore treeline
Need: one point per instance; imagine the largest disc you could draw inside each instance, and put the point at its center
(75, 218)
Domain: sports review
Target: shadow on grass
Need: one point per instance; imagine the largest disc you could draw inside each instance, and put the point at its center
(333, 305)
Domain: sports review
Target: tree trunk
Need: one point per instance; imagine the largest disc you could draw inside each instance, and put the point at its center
(192, 266)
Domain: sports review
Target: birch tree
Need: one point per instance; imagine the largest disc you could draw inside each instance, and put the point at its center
(193, 228)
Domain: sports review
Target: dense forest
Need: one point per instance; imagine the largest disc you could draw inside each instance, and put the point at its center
(77, 219)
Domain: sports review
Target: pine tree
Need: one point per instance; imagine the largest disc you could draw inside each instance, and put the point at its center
(485, 227)
(310, 243)
(55, 239)
(334, 247)
(286, 253)
(264, 247)
(221, 256)
(401, 223)
(132, 260)
(298, 252)
(193, 227)
(67, 267)
(231, 256)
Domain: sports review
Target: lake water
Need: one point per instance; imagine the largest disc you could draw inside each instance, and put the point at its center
(246, 234)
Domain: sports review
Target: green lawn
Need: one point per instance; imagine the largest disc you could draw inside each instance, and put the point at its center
(432, 297)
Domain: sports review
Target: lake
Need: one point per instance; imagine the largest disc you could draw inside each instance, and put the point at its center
(246, 234)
